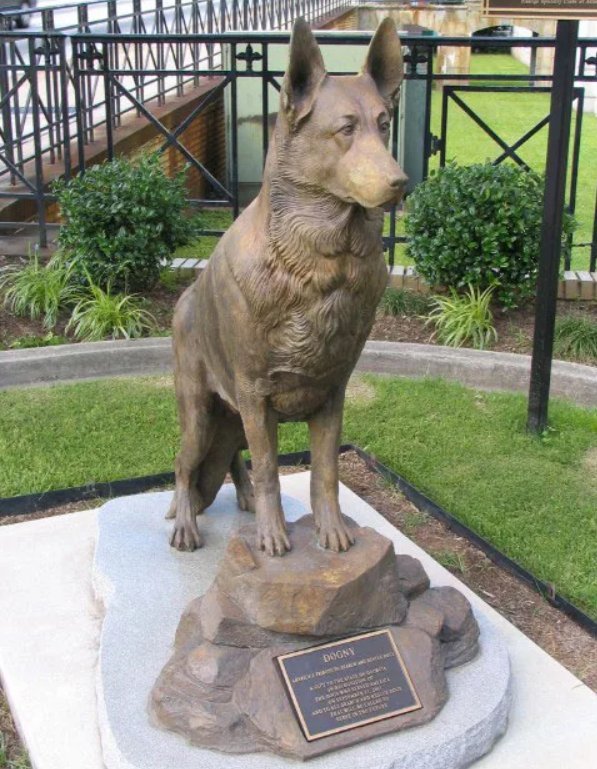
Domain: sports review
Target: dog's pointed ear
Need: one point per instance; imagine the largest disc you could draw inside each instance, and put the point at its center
(304, 76)
(384, 62)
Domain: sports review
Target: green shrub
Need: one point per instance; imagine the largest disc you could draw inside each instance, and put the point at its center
(399, 301)
(576, 338)
(122, 222)
(36, 290)
(99, 314)
(467, 318)
(479, 225)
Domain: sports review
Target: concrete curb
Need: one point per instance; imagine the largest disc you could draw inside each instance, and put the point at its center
(89, 360)
(143, 357)
(478, 368)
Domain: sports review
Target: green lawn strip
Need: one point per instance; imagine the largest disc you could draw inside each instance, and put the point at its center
(202, 248)
(69, 435)
(468, 451)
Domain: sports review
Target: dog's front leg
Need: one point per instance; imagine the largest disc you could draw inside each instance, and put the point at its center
(325, 429)
(261, 429)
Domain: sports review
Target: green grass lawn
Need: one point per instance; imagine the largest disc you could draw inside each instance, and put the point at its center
(535, 499)
(212, 219)
(510, 116)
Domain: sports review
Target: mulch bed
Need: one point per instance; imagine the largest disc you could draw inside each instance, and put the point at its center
(514, 327)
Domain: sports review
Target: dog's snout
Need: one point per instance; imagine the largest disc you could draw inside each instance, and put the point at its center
(398, 182)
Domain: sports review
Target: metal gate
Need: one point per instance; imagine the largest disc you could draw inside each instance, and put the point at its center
(452, 98)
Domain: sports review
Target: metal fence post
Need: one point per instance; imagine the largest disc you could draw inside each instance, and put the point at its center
(6, 110)
(51, 84)
(114, 53)
(234, 129)
(179, 46)
(107, 90)
(64, 83)
(593, 260)
(551, 231)
(79, 115)
(223, 15)
(138, 58)
(39, 168)
(196, 48)
(210, 31)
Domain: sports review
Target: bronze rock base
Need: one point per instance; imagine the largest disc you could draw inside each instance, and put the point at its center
(221, 689)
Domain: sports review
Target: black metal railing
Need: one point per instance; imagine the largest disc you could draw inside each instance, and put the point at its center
(57, 60)
(81, 87)
(133, 16)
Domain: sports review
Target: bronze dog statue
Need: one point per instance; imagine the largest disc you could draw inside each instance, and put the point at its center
(273, 328)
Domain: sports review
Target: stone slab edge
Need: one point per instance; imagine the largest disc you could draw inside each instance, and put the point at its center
(469, 731)
(143, 357)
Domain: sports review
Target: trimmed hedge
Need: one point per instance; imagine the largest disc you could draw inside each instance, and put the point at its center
(479, 225)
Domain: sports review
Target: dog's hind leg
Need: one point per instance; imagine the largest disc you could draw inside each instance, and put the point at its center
(197, 423)
(245, 495)
(221, 458)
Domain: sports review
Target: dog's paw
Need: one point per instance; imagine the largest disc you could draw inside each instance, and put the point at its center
(186, 536)
(335, 536)
(171, 510)
(246, 500)
(273, 539)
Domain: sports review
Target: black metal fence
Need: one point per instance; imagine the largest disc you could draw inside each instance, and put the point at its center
(155, 16)
(60, 92)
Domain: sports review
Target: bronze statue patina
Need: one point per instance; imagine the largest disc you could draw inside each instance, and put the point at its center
(273, 328)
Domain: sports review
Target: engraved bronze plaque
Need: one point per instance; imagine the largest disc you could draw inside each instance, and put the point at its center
(348, 683)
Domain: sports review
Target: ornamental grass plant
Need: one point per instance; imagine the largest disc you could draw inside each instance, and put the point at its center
(99, 313)
(37, 291)
(576, 339)
(464, 318)
(400, 301)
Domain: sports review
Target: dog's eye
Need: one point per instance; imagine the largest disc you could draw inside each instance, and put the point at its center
(384, 127)
(348, 129)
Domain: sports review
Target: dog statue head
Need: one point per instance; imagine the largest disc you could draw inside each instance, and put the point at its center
(346, 119)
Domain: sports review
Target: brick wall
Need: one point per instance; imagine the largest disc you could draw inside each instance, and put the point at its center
(205, 139)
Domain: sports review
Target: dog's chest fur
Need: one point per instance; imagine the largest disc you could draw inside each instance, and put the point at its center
(314, 295)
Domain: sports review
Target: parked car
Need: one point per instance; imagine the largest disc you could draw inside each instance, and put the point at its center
(18, 11)
(502, 30)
